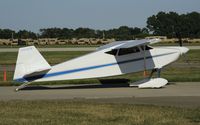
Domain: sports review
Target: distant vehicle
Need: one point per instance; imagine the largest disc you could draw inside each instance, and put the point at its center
(116, 58)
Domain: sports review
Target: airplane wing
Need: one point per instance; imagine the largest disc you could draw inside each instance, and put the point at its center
(128, 44)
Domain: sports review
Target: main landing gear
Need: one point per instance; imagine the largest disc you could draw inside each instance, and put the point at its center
(155, 70)
(150, 82)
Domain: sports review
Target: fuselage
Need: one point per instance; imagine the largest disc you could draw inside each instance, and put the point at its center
(106, 62)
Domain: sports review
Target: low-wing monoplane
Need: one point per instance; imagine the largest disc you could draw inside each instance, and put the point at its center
(116, 58)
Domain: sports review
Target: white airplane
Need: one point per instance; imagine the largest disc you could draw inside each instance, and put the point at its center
(116, 58)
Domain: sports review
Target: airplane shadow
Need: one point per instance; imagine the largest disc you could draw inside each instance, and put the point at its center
(105, 83)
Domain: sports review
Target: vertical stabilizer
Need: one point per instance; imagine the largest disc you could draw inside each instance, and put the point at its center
(29, 61)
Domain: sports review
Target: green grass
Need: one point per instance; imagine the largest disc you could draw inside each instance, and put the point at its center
(61, 112)
(51, 57)
(8, 58)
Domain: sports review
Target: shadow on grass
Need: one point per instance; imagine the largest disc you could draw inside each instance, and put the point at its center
(105, 83)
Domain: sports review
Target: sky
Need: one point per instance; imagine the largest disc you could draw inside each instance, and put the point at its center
(97, 14)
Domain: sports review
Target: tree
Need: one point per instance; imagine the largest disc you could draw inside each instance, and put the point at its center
(174, 25)
(51, 33)
(24, 34)
(192, 22)
(123, 33)
(66, 33)
(6, 33)
(145, 31)
(84, 33)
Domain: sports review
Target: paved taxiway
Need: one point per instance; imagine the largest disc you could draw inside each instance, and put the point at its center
(177, 94)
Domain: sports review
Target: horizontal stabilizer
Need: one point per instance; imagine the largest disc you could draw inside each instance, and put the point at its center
(30, 61)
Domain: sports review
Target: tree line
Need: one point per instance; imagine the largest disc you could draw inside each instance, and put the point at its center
(174, 25)
(123, 32)
(169, 24)
(21, 34)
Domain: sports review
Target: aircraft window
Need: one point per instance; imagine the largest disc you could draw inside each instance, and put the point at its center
(125, 51)
(112, 52)
(146, 47)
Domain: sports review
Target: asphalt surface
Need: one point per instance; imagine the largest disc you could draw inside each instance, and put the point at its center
(72, 49)
(174, 94)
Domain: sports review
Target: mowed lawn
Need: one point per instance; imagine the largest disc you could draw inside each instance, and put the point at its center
(9, 58)
(61, 112)
(178, 71)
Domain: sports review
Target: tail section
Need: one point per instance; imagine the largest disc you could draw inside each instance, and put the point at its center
(29, 62)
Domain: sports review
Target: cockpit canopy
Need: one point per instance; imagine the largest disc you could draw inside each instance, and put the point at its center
(125, 51)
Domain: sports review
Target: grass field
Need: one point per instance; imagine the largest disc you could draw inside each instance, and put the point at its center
(61, 112)
(174, 72)
(51, 57)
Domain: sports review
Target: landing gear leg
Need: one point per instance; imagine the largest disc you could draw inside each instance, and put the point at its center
(22, 86)
(155, 70)
(151, 82)
(158, 73)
